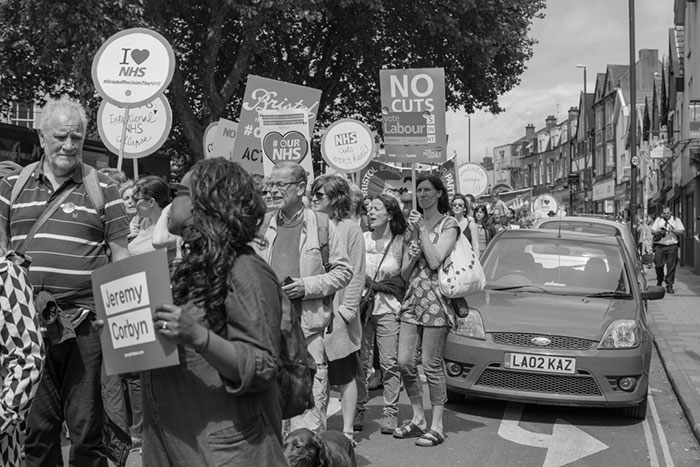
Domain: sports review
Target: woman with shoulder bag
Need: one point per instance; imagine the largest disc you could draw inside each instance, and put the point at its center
(384, 291)
(426, 315)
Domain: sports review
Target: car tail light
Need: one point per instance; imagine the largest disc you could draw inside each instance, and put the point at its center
(621, 334)
(471, 326)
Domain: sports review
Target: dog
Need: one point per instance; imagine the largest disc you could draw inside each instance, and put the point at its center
(332, 448)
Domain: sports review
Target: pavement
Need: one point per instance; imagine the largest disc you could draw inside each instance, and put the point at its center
(675, 324)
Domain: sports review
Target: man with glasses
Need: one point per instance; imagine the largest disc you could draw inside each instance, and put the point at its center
(295, 251)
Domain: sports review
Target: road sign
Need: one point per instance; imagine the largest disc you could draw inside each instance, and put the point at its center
(635, 161)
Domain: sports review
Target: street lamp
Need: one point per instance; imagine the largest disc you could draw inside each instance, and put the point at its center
(469, 147)
(584, 121)
(584, 77)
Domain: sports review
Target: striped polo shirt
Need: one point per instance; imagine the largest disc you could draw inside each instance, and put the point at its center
(71, 244)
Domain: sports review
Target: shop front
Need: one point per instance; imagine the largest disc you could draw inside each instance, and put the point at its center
(604, 197)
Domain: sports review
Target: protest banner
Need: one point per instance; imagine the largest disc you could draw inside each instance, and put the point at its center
(208, 139)
(126, 295)
(147, 127)
(413, 115)
(348, 145)
(473, 179)
(263, 95)
(284, 136)
(224, 141)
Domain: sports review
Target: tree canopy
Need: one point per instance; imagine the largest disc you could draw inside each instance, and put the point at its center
(337, 46)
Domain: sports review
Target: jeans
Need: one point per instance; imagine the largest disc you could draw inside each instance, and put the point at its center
(432, 341)
(70, 386)
(386, 329)
(667, 254)
(315, 419)
(132, 383)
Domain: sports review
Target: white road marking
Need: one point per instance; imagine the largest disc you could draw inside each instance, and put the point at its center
(660, 432)
(653, 457)
(566, 444)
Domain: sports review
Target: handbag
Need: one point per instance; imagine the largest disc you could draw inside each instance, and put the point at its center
(367, 300)
(461, 274)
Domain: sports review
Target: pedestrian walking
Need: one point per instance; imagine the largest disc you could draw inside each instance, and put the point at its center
(667, 231)
(221, 404)
(330, 194)
(461, 209)
(86, 227)
(311, 269)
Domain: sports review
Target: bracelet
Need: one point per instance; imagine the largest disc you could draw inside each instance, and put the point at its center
(206, 344)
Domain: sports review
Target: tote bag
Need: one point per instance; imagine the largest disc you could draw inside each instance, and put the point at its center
(461, 274)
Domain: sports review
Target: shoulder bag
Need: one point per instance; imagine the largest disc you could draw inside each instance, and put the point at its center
(460, 274)
(367, 300)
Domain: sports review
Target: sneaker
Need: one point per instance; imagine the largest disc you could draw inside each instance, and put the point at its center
(390, 424)
(358, 423)
(669, 289)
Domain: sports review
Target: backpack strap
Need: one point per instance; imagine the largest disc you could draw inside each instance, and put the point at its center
(322, 221)
(21, 181)
(94, 191)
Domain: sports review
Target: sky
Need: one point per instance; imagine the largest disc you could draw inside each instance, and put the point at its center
(593, 33)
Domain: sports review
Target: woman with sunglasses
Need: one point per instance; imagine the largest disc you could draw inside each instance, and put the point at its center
(330, 194)
(150, 197)
(221, 404)
(461, 210)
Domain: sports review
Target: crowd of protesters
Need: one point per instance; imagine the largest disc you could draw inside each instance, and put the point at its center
(361, 272)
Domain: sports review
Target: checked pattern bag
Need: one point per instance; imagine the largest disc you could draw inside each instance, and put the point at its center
(21, 357)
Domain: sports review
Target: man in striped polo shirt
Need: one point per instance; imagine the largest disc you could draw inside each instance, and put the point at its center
(67, 248)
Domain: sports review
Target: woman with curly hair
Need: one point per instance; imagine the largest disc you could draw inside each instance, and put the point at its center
(221, 404)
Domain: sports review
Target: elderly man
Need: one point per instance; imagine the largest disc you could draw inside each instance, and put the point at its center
(295, 251)
(69, 245)
(666, 230)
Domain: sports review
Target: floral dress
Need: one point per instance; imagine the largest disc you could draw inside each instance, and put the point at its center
(424, 305)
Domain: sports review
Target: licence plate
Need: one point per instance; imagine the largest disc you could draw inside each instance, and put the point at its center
(548, 364)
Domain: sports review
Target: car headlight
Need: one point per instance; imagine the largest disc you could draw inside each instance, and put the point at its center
(471, 326)
(621, 334)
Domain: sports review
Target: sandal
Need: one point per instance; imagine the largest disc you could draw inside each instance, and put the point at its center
(408, 430)
(350, 435)
(430, 438)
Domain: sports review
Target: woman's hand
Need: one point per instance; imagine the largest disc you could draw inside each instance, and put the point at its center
(415, 219)
(414, 249)
(177, 325)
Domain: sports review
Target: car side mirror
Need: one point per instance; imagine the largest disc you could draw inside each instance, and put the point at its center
(653, 292)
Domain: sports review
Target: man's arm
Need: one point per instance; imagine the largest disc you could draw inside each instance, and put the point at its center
(119, 248)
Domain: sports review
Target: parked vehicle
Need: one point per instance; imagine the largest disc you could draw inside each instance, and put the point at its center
(594, 225)
(561, 322)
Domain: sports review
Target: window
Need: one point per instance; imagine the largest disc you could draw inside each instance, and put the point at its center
(22, 114)
(694, 119)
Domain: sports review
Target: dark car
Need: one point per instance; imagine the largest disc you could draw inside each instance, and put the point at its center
(561, 321)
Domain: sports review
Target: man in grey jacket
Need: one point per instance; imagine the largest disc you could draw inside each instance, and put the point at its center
(294, 252)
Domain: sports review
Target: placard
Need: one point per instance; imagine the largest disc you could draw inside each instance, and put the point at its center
(225, 139)
(147, 127)
(473, 179)
(132, 67)
(208, 139)
(284, 136)
(413, 115)
(348, 145)
(263, 95)
(127, 293)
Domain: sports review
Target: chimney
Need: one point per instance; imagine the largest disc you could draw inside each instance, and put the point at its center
(550, 121)
(573, 114)
(529, 131)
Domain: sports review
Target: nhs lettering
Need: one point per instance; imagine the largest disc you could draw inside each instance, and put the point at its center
(138, 56)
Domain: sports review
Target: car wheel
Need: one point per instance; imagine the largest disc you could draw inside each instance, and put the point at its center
(454, 397)
(636, 411)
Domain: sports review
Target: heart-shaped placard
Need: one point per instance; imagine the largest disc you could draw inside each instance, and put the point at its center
(140, 55)
(291, 147)
(545, 201)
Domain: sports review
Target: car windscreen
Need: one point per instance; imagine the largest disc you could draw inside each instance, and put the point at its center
(556, 265)
(583, 227)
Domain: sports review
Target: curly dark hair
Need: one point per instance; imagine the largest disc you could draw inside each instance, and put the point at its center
(227, 211)
(434, 179)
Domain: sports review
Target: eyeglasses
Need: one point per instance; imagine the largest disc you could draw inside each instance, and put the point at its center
(457, 205)
(317, 196)
(136, 199)
(280, 185)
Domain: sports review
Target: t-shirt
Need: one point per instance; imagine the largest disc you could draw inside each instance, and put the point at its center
(390, 267)
(285, 250)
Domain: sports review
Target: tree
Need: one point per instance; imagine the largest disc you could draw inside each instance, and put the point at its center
(338, 46)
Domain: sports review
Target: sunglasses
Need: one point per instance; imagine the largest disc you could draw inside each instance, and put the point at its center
(317, 196)
(177, 189)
